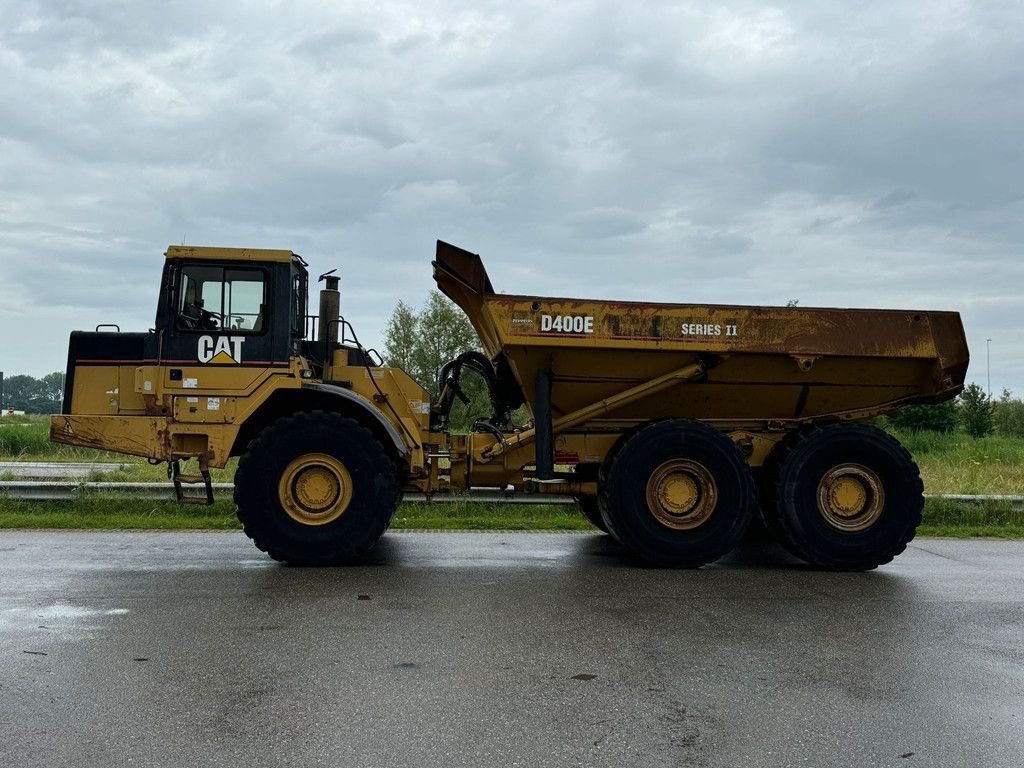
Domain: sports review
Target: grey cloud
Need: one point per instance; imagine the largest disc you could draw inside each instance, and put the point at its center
(605, 222)
(851, 154)
(892, 199)
(328, 44)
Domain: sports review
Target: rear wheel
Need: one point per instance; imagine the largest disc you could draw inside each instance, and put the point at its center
(678, 494)
(315, 489)
(846, 497)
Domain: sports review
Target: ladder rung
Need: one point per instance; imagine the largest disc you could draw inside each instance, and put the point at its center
(199, 500)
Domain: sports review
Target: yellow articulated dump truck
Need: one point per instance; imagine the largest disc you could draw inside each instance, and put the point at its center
(673, 425)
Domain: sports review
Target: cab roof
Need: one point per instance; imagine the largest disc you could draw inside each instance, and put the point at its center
(228, 254)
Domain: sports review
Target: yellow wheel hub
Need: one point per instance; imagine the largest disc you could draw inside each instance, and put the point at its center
(850, 497)
(681, 494)
(315, 489)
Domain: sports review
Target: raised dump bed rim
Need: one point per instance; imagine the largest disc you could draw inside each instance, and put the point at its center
(510, 322)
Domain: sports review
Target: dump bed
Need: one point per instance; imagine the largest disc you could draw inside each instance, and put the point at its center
(763, 363)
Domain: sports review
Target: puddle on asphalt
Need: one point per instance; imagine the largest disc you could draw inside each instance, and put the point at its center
(264, 562)
(60, 618)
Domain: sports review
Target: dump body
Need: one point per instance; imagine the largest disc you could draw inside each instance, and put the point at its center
(763, 364)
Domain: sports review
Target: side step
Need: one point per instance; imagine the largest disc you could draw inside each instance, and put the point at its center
(203, 478)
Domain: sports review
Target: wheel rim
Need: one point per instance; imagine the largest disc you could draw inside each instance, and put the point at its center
(681, 494)
(850, 497)
(315, 489)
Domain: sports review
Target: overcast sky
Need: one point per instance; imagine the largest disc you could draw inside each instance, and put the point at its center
(857, 154)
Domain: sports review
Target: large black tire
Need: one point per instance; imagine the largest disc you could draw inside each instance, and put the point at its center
(590, 509)
(767, 481)
(678, 494)
(869, 525)
(297, 505)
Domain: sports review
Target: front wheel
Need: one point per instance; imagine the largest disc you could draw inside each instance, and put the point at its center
(315, 489)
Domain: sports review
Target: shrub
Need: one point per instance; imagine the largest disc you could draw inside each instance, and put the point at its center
(933, 418)
(976, 411)
(1009, 415)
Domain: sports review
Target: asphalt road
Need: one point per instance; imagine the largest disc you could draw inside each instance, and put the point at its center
(192, 649)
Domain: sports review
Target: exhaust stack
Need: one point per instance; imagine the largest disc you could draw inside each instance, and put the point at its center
(330, 307)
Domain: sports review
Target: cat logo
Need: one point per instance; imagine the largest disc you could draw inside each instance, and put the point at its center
(224, 350)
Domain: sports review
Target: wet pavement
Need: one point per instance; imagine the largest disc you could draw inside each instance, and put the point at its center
(175, 649)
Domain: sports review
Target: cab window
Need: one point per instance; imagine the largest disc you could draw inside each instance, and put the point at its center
(222, 299)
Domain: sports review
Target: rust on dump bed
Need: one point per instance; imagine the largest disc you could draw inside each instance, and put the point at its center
(763, 363)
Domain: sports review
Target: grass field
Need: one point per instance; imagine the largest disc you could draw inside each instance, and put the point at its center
(958, 463)
(949, 464)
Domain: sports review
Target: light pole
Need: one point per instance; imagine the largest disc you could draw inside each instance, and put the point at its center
(988, 366)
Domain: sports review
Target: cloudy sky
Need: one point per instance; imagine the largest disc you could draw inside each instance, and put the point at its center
(857, 154)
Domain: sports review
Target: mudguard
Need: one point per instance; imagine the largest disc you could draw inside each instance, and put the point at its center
(365, 405)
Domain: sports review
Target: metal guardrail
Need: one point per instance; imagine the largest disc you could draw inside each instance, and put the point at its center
(1016, 502)
(27, 490)
(30, 490)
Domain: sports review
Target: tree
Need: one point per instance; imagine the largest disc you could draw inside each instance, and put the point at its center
(976, 411)
(32, 395)
(422, 342)
(400, 337)
(51, 388)
(443, 332)
(1009, 415)
(18, 392)
(933, 418)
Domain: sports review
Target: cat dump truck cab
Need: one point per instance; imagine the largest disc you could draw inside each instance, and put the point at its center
(673, 425)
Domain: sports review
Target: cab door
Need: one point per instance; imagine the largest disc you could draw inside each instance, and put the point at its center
(219, 332)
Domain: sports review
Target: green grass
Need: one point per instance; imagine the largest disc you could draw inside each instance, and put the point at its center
(25, 437)
(988, 520)
(958, 463)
